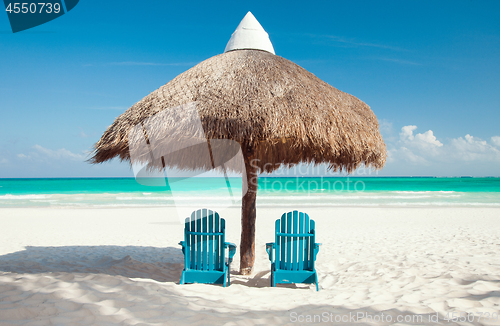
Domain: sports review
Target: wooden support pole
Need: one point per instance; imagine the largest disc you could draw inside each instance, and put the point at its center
(248, 215)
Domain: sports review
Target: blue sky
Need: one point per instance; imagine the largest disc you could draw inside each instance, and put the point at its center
(429, 70)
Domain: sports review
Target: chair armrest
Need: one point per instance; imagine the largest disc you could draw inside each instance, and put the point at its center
(316, 249)
(232, 250)
(269, 248)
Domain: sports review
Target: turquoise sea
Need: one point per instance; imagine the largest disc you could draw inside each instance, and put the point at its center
(296, 191)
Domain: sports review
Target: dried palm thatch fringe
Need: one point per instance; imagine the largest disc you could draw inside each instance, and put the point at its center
(277, 111)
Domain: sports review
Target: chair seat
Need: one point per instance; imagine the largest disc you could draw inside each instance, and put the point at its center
(281, 276)
(206, 277)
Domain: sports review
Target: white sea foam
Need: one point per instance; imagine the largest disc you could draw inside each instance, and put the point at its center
(22, 197)
(184, 199)
(425, 192)
(143, 198)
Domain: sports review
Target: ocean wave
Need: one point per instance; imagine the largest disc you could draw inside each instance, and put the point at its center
(343, 197)
(428, 204)
(350, 197)
(21, 197)
(158, 199)
(143, 198)
(425, 192)
(445, 204)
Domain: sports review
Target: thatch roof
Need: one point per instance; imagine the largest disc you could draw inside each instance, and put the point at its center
(277, 111)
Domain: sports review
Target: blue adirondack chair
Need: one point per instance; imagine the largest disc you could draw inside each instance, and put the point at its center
(204, 249)
(294, 251)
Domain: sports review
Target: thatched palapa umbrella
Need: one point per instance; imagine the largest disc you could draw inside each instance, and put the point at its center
(279, 113)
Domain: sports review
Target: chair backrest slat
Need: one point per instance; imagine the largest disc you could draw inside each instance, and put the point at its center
(311, 246)
(288, 242)
(221, 248)
(193, 241)
(187, 238)
(307, 229)
(217, 244)
(295, 242)
(211, 245)
(198, 240)
(283, 243)
(301, 244)
(204, 238)
(295, 262)
(278, 244)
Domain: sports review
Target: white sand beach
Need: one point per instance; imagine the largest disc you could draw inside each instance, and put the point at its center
(122, 266)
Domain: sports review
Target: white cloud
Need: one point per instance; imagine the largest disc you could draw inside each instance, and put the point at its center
(42, 154)
(406, 133)
(385, 126)
(496, 140)
(408, 156)
(58, 154)
(428, 138)
(400, 61)
(425, 140)
(386, 129)
(3, 161)
(423, 153)
(472, 148)
(83, 135)
(356, 43)
(120, 108)
(414, 148)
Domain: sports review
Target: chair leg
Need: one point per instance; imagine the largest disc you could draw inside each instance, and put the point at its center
(316, 281)
(228, 275)
(272, 276)
(182, 278)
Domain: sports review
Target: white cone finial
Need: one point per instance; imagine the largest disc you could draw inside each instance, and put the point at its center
(249, 35)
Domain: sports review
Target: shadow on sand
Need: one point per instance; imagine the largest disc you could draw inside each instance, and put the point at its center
(162, 302)
(159, 264)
